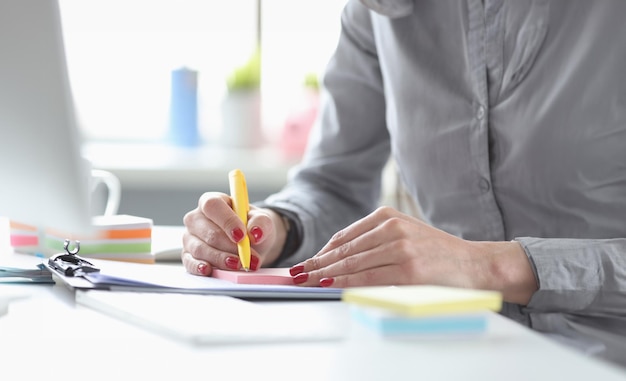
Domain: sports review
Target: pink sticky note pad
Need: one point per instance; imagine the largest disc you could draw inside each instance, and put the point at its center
(261, 276)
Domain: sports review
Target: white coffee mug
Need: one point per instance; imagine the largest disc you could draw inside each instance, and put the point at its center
(113, 187)
(105, 190)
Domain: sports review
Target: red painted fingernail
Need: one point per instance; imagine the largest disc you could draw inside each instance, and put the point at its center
(301, 278)
(237, 234)
(202, 268)
(295, 270)
(326, 282)
(257, 233)
(232, 263)
(254, 263)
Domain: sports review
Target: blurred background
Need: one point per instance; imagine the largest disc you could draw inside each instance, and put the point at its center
(173, 94)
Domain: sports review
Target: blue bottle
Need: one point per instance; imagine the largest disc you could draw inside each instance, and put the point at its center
(183, 127)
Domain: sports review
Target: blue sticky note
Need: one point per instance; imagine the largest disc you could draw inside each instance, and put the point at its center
(391, 324)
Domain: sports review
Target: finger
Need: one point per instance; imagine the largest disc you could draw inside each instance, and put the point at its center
(391, 275)
(198, 221)
(195, 266)
(260, 226)
(343, 257)
(217, 207)
(362, 261)
(347, 234)
(208, 232)
(200, 267)
(362, 226)
(212, 253)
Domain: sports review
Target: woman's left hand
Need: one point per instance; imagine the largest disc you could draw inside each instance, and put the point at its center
(391, 248)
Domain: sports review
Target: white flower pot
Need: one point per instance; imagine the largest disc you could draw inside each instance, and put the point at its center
(241, 120)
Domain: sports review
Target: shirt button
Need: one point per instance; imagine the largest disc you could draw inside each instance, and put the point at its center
(480, 113)
(484, 185)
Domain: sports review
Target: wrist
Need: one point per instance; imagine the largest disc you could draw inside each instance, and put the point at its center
(509, 271)
(281, 229)
(289, 234)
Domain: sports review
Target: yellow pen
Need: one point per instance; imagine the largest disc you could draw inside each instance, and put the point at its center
(241, 206)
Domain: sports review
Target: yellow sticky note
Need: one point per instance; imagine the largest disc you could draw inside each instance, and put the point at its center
(424, 300)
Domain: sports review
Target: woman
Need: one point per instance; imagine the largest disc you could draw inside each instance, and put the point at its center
(507, 121)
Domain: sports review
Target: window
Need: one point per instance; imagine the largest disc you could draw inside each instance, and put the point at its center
(121, 53)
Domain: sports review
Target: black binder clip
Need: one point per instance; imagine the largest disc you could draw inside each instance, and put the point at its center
(70, 264)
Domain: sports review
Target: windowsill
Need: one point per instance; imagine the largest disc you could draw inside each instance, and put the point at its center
(165, 166)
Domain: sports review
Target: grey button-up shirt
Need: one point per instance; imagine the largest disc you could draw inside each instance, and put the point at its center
(507, 120)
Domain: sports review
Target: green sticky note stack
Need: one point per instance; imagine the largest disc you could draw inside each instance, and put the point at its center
(119, 237)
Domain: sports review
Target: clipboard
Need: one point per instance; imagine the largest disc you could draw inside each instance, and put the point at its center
(169, 278)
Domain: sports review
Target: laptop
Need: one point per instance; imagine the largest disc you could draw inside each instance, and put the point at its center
(44, 178)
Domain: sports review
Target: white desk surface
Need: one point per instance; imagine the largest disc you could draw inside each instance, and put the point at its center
(47, 335)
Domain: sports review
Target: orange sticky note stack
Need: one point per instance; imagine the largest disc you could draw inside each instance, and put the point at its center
(120, 237)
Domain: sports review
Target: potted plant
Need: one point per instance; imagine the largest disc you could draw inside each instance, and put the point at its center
(241, 107)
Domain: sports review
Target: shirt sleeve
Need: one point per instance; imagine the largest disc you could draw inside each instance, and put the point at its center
(339, 179)
(582, 276)
(581, 299)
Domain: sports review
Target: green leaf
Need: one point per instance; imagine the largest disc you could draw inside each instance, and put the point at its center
(248, 76)
(311, 81)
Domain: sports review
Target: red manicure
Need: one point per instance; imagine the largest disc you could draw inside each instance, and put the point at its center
(257, 233)
(295, 270)
(301, 278)
(202, 268)
(237, 234)
(232, 263)
(326, 282)
(254, 263)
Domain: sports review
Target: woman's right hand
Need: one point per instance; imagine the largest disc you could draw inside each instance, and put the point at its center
(213, 230)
